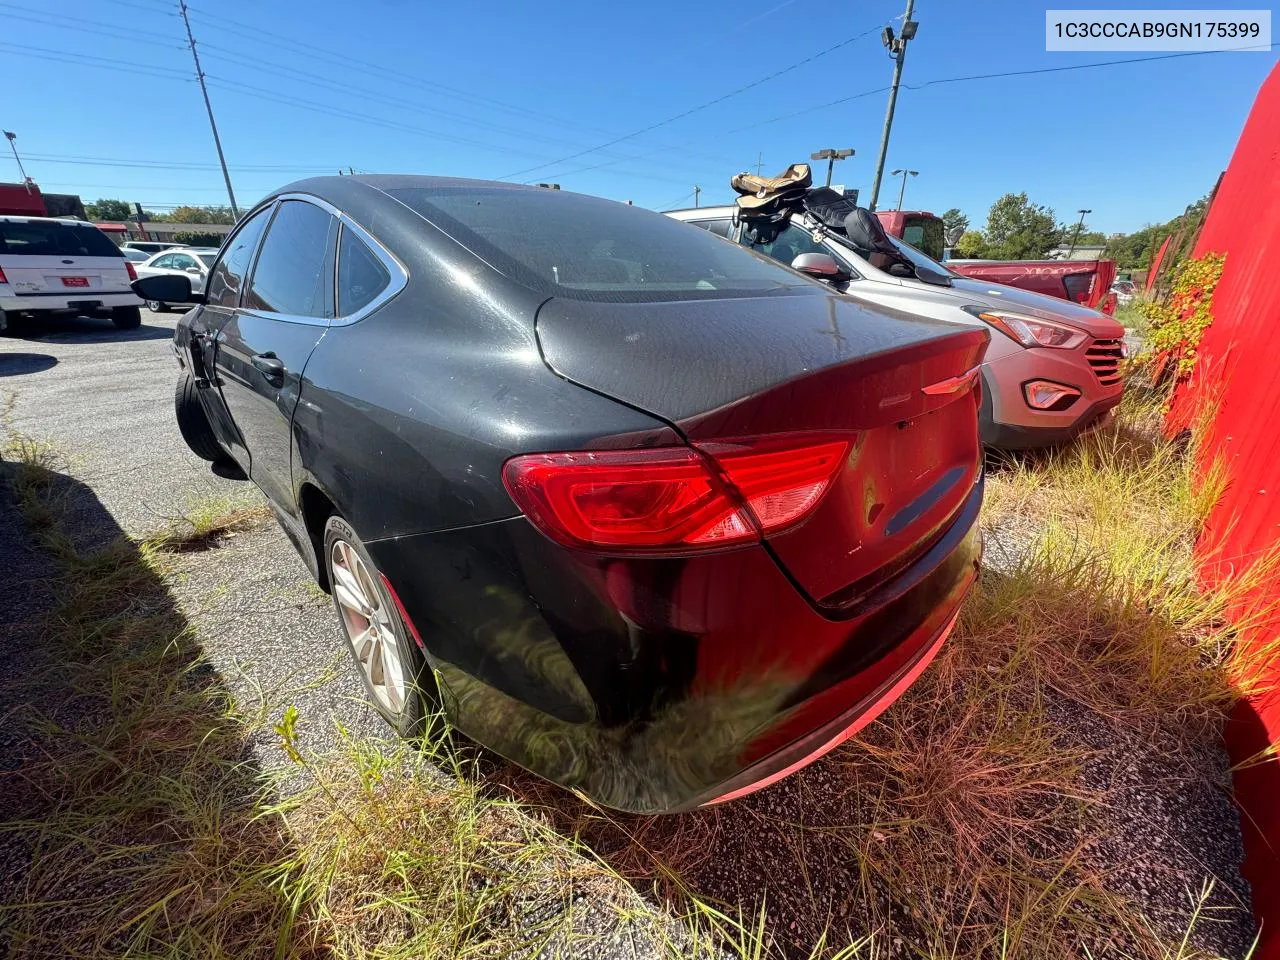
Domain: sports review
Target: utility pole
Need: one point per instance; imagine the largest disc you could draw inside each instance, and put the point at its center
(831, 156)
(696, 190)
(1076, 236)
(759, 162)
(903, 189)
(13, 143)
(235, 212)
(897, 47)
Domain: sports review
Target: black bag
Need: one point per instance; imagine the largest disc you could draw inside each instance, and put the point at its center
(828, 207)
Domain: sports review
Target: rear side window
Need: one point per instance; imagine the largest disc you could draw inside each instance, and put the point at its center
(293, 273)
(228, 278)
(35, 239)
(570, 245)
(361, 275)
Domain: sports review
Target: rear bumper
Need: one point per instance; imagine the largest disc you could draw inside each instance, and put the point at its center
(661, 685)
(71, 300)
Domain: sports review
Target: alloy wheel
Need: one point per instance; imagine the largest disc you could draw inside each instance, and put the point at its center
(368, 621)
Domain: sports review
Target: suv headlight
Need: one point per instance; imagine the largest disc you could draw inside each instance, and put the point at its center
(1030, 331)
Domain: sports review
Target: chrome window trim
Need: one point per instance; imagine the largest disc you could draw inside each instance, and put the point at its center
(399, 275)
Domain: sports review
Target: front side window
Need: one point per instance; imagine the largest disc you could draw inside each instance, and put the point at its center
(180, 261)
(782, 245)
(165, 262)
(361, 275)
(585, 248)
(293, 274)
(228, 279)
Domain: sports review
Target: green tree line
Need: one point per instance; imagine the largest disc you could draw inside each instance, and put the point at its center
(1018, 229)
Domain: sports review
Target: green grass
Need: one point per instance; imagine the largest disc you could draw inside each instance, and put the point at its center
(959, 825)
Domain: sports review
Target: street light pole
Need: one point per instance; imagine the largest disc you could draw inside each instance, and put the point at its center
(13, 144)
(209, 108)
(1076, 236)
(903, 189)
(897, 47)
(831, 156)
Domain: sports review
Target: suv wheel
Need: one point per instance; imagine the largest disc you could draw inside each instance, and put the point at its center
(391, 666)
(126, 318)
(157, 306)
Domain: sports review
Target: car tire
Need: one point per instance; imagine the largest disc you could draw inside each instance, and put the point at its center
(157, 306)
(192, 422)
(396, 677)
(126, 318)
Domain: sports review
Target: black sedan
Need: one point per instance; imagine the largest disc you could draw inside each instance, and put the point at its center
(653, 516)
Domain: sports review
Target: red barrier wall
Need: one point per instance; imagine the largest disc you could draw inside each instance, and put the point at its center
(1238, 377)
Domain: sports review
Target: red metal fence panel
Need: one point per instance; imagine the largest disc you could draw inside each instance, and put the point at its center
(1237, 383)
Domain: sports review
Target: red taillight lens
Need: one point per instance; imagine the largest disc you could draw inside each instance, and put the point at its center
(3, 278)
(672, 499)
(128, 266)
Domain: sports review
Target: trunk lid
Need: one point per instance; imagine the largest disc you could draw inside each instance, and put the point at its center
(807, 363)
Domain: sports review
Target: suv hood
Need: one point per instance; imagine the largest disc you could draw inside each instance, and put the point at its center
(997, 296)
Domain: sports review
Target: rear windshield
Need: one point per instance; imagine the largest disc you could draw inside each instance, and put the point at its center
(585, 248)
(37, 239)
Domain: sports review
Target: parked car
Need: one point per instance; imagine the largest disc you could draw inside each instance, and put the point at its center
(1125, 290)
(52, 265)
(603, 488)
(1051, 373)
(149, 246)
(191, 261)
(1085, 282)
(136, 256)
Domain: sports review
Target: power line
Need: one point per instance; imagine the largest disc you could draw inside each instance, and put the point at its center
(95, 27)
(265, 37)
(702, 106)
(77, 160)
(86, 60)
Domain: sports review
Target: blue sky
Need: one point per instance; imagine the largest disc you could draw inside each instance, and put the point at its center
(493, 89)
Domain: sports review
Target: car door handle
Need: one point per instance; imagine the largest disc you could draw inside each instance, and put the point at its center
(270, 366)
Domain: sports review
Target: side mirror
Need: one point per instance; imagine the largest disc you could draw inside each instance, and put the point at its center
(166, 288)
(821, 266)
(196, 270)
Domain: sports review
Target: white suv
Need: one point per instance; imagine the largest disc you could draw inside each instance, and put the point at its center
(49, 265)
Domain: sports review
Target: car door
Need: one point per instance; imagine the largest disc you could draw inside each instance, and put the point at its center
(263, 348)
(227, 281)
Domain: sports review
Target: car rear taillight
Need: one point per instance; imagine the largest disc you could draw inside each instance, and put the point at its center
(1079, 286)
(128, 266)
(3, 278)
(673, 499)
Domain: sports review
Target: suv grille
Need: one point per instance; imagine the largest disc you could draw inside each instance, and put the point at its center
(1104, 357)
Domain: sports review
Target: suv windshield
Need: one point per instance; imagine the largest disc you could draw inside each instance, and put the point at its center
(585, 248)
(927, 269)
(35, 238)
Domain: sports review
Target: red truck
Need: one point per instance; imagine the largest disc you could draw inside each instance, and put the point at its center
(1087, 282)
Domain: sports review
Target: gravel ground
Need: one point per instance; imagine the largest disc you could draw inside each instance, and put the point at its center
(103, 398)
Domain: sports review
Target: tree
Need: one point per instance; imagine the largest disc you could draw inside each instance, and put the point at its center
(1018, 229)
(954, 218)
(193, 239)
(971, 246)
(109, 210)
(188, 214)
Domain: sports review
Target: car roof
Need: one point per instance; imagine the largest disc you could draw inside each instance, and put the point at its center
(19, 218)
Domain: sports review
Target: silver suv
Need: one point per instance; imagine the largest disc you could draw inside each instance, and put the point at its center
(1052, 369)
